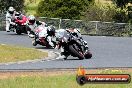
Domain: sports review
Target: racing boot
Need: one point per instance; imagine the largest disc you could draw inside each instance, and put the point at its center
(7, 26)
(8, 29)
(62, 57)
(50, 42)
(34, 43)
(63, 54)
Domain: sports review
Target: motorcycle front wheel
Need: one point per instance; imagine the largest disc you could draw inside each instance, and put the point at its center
(88, 55)
(18, 32)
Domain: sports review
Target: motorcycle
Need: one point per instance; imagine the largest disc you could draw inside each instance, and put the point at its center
(21, 24)
(73, 46)
(40, 37)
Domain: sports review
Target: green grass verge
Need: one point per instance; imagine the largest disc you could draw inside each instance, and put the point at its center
(14, 53)
(57, 81)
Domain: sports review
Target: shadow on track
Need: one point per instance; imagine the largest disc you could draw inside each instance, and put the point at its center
(17, 34)
(69, 59)
(43, 47)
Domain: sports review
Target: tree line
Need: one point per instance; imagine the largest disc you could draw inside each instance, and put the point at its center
(5, 4)
(75, 9)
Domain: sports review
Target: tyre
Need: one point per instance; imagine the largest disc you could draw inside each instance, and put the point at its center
(34, 43)
(75, 52)
(88, 55)
(25, 30)
(18, 32)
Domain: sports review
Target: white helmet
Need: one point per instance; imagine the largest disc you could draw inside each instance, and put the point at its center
(32, 19)
(11, 10)
(60, 33)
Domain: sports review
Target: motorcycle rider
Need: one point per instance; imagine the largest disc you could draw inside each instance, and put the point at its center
(32, 25)
(9, 17)
(75, 32)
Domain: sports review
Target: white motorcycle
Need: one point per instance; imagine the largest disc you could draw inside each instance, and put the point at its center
(43, 36)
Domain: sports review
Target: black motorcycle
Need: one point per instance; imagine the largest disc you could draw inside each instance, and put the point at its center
(73, 46)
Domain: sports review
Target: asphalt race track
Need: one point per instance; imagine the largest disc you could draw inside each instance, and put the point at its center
(107, 52)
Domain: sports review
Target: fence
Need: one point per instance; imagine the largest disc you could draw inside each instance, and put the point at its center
(89, 28)
(93, 27)
(2, 22)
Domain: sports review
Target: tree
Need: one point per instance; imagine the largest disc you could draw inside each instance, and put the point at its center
(67, 9)
(5, 4)
(121, 3)
(100, 12)
(121, 15)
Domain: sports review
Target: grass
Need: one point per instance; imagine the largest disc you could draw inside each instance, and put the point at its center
(14, 53)
(60, 80)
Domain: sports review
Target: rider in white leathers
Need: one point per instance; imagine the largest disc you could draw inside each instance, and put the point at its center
(9, 17)
(33, 24)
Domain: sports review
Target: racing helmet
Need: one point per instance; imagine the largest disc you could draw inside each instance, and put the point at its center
(11, 10)
(32, 19)
(59, 34)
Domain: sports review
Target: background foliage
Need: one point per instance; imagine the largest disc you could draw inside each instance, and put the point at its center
(122, 3)
(66, 9)
(5, 4)
(100, 12)
(30, 6)
(71, 9)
